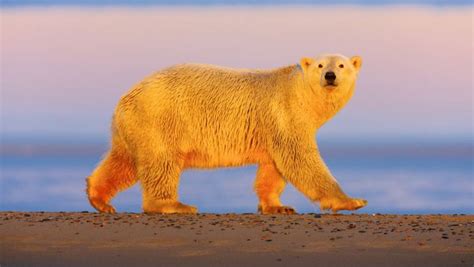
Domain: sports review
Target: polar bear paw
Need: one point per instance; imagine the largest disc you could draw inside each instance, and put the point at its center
(101, 205)
(336, 204)
(276, 210)
(168, 207)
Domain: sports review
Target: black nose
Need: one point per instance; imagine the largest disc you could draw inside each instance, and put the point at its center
(330, 76)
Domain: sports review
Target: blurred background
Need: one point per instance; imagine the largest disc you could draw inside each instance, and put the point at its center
(404, 142)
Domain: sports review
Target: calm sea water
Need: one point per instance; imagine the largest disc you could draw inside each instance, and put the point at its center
(393, 177)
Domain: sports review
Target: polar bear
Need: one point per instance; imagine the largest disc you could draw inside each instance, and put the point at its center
(204, 116)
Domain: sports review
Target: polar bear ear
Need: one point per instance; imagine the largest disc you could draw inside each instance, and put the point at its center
(306, 62)
(356, 62)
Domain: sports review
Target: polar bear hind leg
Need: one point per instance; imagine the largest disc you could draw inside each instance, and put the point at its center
(159, 176)
(115, 173)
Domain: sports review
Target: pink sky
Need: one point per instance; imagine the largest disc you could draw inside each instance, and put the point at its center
(63, 69)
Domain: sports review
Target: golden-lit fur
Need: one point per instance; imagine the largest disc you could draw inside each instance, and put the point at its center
(203, 116)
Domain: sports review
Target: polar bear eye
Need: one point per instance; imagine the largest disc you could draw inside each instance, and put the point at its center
(320, 66)
(341, 66)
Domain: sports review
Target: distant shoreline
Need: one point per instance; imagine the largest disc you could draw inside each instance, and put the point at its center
(125, 239)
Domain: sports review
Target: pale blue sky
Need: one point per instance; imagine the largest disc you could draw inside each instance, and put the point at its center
(228, 2)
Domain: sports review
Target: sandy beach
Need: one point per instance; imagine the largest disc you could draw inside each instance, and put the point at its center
(126, 239)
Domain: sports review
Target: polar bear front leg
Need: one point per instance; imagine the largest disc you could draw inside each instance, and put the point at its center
(269, 185)
(159, 178)
(300, 163)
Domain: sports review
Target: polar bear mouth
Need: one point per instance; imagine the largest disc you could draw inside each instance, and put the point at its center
(330, 86)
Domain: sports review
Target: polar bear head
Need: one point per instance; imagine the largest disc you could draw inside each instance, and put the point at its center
(331, 75)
